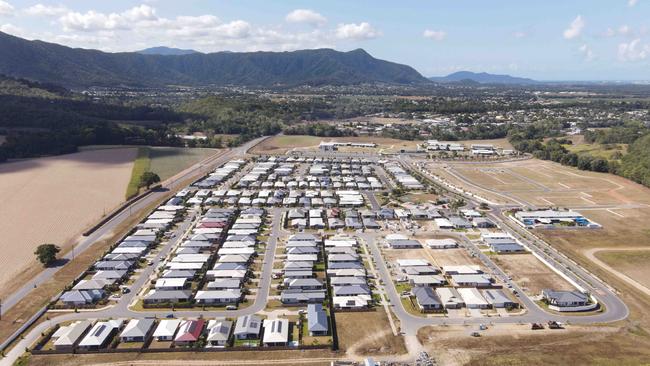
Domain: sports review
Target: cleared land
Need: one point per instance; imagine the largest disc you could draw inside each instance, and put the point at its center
(531, 274)
(543, 183)
(605, 151)
(52, 200)
(281, 144)
(374, 337)
(634, 264)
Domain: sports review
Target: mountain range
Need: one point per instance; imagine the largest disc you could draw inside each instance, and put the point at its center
(82, 68)
(482, 78)
(166, 51)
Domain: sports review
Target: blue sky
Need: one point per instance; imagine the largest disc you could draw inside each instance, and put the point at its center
(546, 40)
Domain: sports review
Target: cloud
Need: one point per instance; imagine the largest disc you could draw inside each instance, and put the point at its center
(6, 8)
(520, 34)
(11, 29)
(435, 35)
(575, 28)
(587, 52)
(46, 10)
(631, 3)
(356, 31)
(306, 16)
(94, 21)
(633, 51)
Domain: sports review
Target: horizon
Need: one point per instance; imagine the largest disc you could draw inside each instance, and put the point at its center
(587, 41)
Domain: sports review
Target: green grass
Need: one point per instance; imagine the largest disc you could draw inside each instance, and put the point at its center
(169, 161)
(164, 161)
(604, 151)
(141, 164)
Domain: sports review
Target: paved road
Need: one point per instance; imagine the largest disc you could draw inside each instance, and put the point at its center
(196, 171)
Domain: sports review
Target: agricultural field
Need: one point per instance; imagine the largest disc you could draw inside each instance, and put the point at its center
(53, 199)
(530, 274)
(164, 161)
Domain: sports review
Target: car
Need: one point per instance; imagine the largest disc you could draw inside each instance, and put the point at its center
(476, 334)
(125, 290)
(231, 307)
(150, 262)
(169, 316)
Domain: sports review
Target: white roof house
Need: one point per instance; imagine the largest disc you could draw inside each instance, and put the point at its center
(473, 298)
(68, 336)
(166, 329)
(99, 335)
(276, 331)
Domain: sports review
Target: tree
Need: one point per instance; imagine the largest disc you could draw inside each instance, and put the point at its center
(46, 253)
(483, 206)
(148, 178)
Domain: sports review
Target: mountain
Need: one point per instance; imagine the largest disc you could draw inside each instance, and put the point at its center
(81, 68)
(482, 78)
(166, 51)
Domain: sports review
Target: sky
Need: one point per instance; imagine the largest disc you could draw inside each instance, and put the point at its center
(544, 40)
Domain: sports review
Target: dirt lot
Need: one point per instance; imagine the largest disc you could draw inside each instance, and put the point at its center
(544, 183)
(375, 337)
(531, 274)
(632, 263)
(282, 358)
(518, 345)
(452, 257)
(52, 200)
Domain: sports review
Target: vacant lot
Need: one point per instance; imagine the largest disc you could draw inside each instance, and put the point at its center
(374, 337)
(452, 257)
(281, 144)
(531, 274)
(633, 263)
(52, 200)
(542, 183)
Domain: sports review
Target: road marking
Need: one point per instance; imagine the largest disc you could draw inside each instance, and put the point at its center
(590, 201)
(615, 213)
(586, 194)
(564, 185)
(547, 201)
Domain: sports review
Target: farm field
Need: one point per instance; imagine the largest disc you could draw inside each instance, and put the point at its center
(633, 263)
(52, 200)
(164, 161)
(531, 274)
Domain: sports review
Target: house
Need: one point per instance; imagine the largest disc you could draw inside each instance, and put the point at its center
(565, 298)
(316, 320)
(460, 223)
(443, 223)
(167, 284)
(303, 283)
(298, 296)
(276, 332)
(472, 280)
(511, 247)
(473, 298)
(68, 336)
(81, 297)
(351, 290)
(166, 329)
(442, 243)
(100, 334)
(189, 331)
(498, 299)
(483, 223)
(137, 330)
(218, 297)
(426, 280)
(248, 327)
(173, 296)
(461, 269)
(427, 299)
(218, 332)
(224, 284)
(450, 298)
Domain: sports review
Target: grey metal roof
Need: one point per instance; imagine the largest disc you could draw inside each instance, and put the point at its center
(316, 318)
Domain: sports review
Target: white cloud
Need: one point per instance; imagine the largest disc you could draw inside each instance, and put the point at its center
(94, 21)
(633, 51)
(631, 3)
(436, 35)
(575, 28)
(356, 31)
(6, 8)
(306, 16)
(46, 10)
(520, 34)
(587, 52)
(11, 29)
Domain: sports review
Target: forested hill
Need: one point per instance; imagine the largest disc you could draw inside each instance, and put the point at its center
(73, 67)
